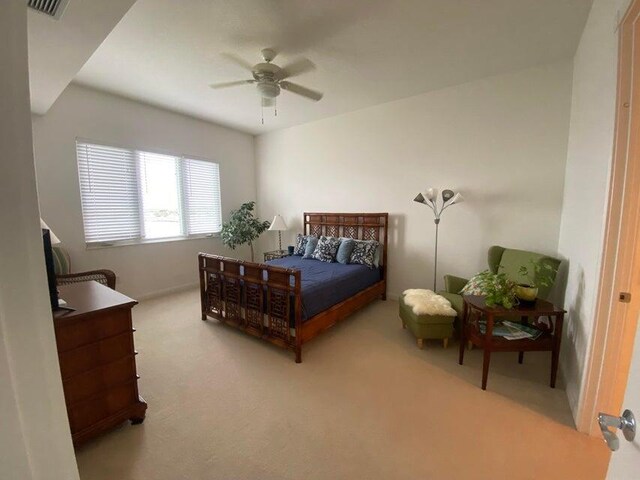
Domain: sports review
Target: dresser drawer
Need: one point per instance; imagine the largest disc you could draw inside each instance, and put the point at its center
(97, 354)
(112, 401)
(70, 335)
(84, 385)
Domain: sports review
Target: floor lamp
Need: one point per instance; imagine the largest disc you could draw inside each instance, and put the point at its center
(430, 199)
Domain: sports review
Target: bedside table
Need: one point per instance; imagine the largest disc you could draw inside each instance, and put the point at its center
(275, 254)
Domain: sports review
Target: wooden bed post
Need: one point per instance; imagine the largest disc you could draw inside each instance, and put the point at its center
(384, 256)
(298, 306)
(202, 273)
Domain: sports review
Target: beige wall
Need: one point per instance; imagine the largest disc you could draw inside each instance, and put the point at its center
(501, 141)
(142, 270)
(35, 442)
(587, 182)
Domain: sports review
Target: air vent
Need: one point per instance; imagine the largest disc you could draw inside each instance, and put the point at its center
(53, 8)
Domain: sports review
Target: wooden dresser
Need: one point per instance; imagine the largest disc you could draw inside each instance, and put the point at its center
(97, 359)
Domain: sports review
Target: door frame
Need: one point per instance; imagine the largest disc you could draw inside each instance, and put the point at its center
(615, 322)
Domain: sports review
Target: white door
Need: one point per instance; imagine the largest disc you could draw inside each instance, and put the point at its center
(625, 463)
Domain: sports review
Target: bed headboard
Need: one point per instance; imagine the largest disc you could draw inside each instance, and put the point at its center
(360, 226)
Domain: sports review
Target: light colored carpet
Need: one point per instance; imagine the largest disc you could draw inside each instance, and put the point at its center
(364, 404)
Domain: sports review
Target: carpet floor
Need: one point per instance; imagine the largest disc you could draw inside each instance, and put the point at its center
(365, 403)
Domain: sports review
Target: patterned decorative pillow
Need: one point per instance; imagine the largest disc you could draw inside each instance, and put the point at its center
(475, 286)
(326, 249)
(301, 243)
(312, 242)
(364, 252)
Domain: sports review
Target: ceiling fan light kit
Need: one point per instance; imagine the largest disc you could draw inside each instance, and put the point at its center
(269, 90)
(270, 79)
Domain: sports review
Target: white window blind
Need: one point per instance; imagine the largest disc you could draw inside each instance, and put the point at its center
(201, 187)
(131, 195)
(108, 187)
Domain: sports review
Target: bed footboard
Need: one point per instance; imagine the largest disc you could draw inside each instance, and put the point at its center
(262, 300)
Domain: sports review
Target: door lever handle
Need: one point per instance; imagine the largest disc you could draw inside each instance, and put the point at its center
(626, 423)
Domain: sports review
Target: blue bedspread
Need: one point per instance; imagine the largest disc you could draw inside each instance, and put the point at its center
(325, 284)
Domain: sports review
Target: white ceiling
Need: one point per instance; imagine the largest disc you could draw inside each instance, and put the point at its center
(59, 48)
(167, 52)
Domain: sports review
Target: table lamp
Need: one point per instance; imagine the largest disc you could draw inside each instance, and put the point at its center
(278, 225)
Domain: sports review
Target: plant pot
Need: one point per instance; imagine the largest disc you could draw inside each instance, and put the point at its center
(526, 293)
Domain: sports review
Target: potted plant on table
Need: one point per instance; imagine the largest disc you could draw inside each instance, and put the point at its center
(242, 227)
(540, 274)
(498, 289)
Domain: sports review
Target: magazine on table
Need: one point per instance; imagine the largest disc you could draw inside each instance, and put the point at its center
(511, 330)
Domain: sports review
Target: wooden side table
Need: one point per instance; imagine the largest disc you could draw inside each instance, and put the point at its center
(275, 254)
(476, 309)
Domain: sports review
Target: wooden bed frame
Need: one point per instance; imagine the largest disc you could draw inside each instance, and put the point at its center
(260, 299)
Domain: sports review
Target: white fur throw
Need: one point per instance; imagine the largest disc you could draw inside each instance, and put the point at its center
(426, 302)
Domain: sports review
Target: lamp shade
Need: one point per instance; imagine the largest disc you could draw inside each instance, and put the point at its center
(54, 239)
(278, 224)
(420, 198)
(457, 198)
(447, 195)
(431, 194)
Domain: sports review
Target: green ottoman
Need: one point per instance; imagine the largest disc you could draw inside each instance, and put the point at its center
(426, 327)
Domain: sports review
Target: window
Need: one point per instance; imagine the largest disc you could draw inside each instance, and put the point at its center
(160, 195)
(130, 196)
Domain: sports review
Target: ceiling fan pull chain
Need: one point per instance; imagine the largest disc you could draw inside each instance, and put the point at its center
(275, 106)
(262, 109)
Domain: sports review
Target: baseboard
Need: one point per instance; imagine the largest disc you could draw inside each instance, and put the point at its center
(393, 296)
(168, 291)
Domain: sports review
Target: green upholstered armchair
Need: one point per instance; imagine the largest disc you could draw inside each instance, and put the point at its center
(508, 261)
(62, 266)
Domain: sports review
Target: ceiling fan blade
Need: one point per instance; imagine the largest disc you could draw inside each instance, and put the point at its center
(238, 61)
(302, 91)
(231, 84)
(297, 67)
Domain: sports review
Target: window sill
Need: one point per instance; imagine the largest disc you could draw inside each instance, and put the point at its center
(125, 243)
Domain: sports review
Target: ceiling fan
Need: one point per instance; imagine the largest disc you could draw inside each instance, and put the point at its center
(270, 79)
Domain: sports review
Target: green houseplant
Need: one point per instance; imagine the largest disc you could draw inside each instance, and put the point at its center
(242, 227)
(498, 289)
(540, 274)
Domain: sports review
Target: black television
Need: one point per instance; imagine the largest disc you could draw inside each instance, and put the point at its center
(51, 272)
